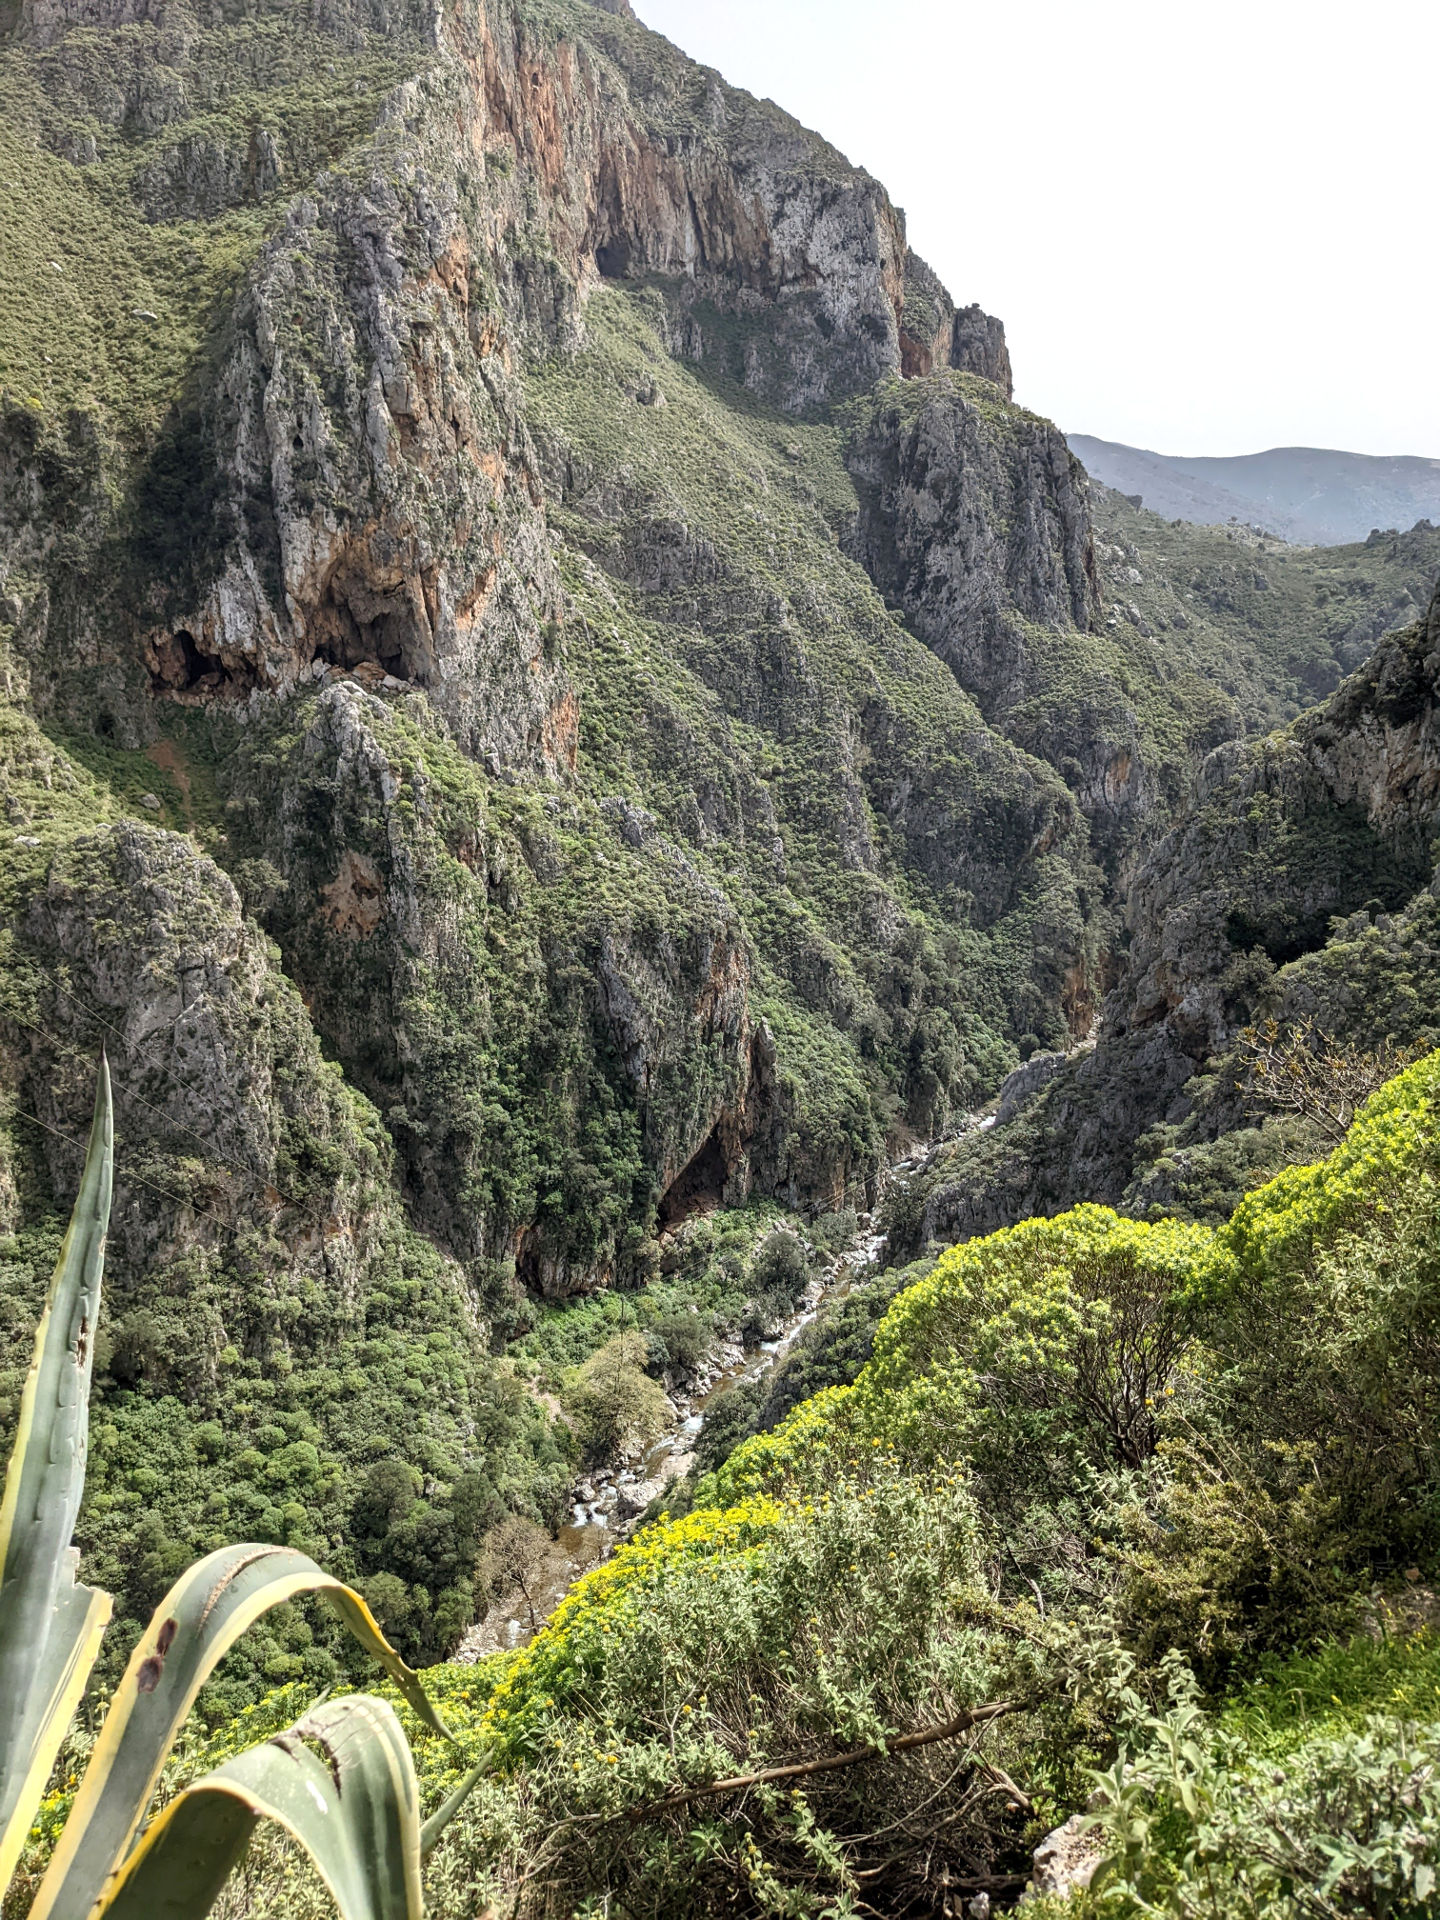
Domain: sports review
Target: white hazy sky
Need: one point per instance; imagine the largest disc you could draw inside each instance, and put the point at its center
(1208, 225)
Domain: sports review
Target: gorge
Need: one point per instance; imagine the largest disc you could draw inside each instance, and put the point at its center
(557, 718)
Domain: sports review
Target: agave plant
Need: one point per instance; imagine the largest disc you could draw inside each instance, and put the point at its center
(341, 1780)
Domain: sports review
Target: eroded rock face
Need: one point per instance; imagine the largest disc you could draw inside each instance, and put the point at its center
(1315, 839)
(382, 459)
(1065, 1860)
(1284, 835)
(373, 498)
(449, 952)
(935, 334)
(974, 521)
(138, 942)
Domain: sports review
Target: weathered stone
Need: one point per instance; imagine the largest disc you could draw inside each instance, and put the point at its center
(1066, 1859)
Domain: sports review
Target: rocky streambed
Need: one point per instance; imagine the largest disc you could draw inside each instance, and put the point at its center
(607, 1505)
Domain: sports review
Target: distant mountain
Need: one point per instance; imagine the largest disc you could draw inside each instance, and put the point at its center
(1310, 495)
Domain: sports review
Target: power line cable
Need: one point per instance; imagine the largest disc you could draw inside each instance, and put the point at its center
(128, 1172)
(129, 1093)
(98, 1018)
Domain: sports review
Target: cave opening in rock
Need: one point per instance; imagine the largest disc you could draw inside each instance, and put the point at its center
(359, 625)
(192, 662)
(612, 260)
(699, 1187)
(180, 666)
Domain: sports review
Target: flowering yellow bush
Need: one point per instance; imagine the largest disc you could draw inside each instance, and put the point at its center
(1047, 1345)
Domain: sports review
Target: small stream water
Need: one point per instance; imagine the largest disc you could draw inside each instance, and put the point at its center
(606, 1506)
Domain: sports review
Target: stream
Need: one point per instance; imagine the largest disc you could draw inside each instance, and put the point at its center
(606, 1506)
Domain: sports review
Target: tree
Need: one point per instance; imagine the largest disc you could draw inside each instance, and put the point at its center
(516, 1555)
(618, 1409)
(1303, 1070)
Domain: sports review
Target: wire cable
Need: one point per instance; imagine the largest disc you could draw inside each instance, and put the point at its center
(129, 1173)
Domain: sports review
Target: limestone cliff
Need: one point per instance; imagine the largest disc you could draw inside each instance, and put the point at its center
(345, 485)
(1298, 885)
(974, 520)
(935, 334)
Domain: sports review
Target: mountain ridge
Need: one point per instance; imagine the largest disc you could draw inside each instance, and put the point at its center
(552, 698)
(1308, 495)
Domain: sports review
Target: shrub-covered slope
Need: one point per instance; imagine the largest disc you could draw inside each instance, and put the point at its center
(1101, 1520)
(547, 688)
(423, 519)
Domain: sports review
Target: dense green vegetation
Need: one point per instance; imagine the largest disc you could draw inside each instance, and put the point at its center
(1141, 1483)
(471, 1098)
(362, 1795)
(1269, 628)
(113, 283)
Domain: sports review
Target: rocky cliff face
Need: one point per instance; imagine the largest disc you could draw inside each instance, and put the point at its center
(974, 521)
(419, 506)
(1299, 886)
(935, 334)
(502, 1021)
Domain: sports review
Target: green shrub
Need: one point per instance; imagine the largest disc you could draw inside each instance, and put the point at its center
(779, 1275)
(1324, 1318)
(1039, 1353)
(1194, 1820)
(678, 1339)
(835, 1231)
(730, 1417)
(618, 1409)
(727, 1642)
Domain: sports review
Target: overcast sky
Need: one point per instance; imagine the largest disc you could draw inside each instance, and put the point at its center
(1208, 225)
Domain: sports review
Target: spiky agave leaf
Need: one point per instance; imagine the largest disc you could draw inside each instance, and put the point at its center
(192, 1629)
(50, 1628)
(353, 1806)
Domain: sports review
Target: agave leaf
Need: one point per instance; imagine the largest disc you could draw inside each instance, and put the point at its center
(194, 1626)
(433, 1828)
(355, 1811)
(50, 1628)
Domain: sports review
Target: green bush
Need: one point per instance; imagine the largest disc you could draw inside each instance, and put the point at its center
(724, 1643)
(779, 1275)
(679, 1338)
(617, 1408)
(730, 1417)
(1324, 1320)
(1194, 1819)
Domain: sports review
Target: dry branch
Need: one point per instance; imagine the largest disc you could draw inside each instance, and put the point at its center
(963, 1721)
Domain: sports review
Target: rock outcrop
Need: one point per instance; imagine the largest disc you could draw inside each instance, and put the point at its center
(974, 522)
(973, 518)
(935, 334)
(448, 952)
